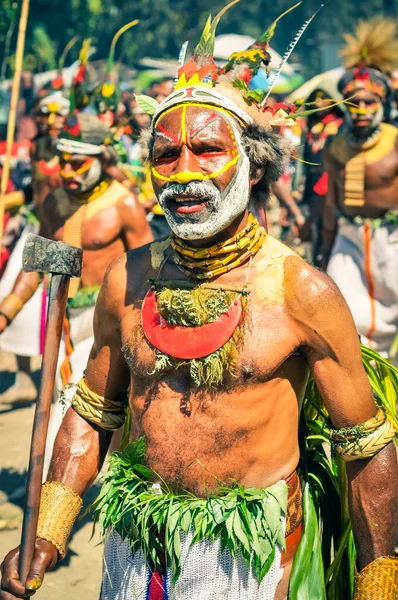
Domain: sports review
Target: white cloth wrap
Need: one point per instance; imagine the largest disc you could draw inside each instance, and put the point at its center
(82, 336)
(22, 336)
(347, 268)
(206, 573)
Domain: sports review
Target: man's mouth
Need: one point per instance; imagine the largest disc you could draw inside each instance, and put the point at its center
(362, 122)
(185, 204)
(71, 184)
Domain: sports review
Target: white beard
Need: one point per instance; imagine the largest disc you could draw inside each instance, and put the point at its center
(230, 205)
(376, 120)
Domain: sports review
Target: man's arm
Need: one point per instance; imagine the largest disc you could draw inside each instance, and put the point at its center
(136, 229)
(282, 191)
(333, 353)
(24, 287)
(80, 447)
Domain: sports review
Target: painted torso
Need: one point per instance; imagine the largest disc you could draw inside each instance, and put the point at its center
(194, 437)
(101, 233)
(381, 173)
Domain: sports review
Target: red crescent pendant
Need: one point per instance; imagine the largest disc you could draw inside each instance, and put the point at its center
(187, 342)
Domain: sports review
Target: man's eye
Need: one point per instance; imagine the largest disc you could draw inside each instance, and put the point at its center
(212, 150)
(167, 155)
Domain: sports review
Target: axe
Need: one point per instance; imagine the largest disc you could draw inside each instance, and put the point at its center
(62, 262)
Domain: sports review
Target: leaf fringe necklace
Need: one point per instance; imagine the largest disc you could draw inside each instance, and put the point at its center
(182, 316)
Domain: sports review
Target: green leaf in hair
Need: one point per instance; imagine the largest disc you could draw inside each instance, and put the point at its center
(147, 104)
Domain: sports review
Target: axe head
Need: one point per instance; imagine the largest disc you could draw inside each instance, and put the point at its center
(46, 256)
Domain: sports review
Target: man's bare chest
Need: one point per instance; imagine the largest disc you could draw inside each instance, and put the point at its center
(96, 231)
(267, 340)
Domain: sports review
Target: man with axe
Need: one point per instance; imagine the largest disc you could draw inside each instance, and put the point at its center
(209, 338)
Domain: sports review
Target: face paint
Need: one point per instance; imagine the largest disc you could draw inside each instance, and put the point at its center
(80, 178)
(202, 189)
(366, 115)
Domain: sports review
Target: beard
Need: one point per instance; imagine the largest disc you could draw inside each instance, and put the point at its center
(219, 209)
(364, 132)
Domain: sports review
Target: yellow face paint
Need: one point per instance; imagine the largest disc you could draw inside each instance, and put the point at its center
(184, 125)
(85, 167)
(186, 176)
(200, 105)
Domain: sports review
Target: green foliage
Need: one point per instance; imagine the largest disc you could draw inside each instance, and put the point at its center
(147, 104)
(326, 490)
(94, 6)
(151, 517)
(308, 558)
(166, 25)
(44, 48)
(250, 96)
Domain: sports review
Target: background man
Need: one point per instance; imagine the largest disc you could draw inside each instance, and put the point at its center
(361, 215)
(90, 211)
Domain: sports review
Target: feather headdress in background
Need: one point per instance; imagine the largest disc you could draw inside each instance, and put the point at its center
(374, 44)
(370, 55)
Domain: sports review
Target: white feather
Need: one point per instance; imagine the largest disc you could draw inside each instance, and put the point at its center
(287, 54)
(181, 59)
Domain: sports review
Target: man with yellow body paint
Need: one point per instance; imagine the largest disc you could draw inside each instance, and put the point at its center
(91, 211)
(360, 225)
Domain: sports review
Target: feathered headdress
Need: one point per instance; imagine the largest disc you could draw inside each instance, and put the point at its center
(370, 55)
(55, 100)
(107, 94)
(201, 80)
(79, 97)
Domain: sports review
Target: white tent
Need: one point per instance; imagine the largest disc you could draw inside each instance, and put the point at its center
(325, 81)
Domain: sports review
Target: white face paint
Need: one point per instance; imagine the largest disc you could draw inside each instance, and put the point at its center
(89, 180)
(222, 208)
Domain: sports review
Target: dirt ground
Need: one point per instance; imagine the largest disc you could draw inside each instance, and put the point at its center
(78, 576)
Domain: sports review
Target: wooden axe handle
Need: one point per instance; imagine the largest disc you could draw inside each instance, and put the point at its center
(56, 313)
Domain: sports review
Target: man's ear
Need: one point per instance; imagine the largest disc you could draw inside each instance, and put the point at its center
(256, 174)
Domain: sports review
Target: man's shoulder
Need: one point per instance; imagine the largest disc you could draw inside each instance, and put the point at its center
(134, 268)
(304, 287)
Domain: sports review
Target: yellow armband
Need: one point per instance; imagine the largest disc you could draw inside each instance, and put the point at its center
(59, 507)
(364, 440)
(107, 414)
(378, 580)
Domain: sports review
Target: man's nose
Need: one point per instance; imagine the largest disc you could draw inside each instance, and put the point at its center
(68, 168)
(187, 168)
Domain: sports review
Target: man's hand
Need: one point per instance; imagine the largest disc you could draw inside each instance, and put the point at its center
(3, 323)
(44, 560)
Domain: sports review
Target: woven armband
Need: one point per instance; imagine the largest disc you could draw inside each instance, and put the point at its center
(107, 414)
(378, 580)
(364, 440)
(59, 507)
